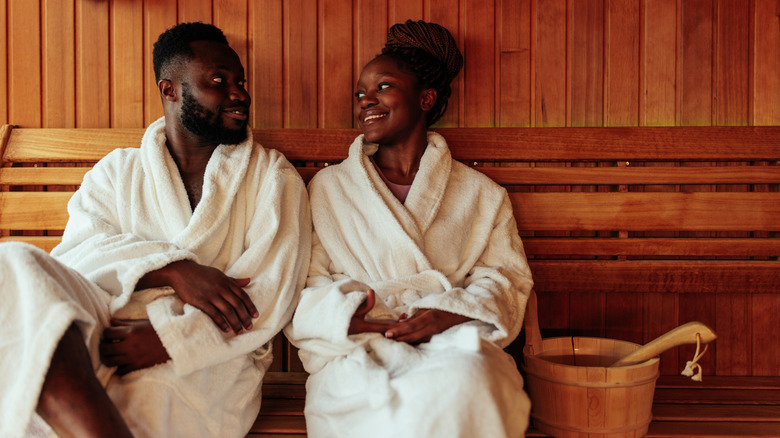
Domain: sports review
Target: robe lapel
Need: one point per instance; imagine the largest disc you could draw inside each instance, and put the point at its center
(425, 196)
(166, 197)
(224, 174)
(427, 192)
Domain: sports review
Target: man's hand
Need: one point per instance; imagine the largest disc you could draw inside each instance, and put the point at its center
(423, 325)
(220, 297)
(131, 345)
(358, 324)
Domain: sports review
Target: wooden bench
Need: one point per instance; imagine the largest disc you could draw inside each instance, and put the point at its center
(629, 232)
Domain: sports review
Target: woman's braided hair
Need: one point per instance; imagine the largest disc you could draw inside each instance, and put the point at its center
(428, 51)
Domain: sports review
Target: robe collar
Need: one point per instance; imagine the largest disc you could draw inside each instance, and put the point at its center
(224, 175)
(425, 196)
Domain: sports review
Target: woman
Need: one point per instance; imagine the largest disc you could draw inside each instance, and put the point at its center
(418, 276)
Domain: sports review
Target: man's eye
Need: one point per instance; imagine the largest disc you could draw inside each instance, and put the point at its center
(242, 83)
(383, 86)
(359, 94)
(217, 80)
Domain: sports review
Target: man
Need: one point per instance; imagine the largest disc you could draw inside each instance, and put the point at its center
(180, 261)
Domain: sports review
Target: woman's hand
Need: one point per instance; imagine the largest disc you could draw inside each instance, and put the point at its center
(358, 324)
(131, 345)
(424, 325)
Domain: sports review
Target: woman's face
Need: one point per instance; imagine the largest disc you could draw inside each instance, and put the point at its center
(389, 103)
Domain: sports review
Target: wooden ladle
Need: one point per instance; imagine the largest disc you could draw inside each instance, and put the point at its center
(684, 334)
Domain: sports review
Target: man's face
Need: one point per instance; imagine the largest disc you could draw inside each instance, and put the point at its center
(215, 104)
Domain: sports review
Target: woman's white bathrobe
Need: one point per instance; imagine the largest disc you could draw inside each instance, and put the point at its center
(132, 216)
(452, 246)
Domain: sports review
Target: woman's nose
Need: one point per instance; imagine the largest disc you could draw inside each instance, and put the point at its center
(368, 99)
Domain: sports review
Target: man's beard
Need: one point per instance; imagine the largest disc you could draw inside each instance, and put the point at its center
(205, 124)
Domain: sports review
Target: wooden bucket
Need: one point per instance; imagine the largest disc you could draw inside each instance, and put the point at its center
(573, 392)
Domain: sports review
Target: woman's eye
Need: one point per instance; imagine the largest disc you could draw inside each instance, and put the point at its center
(359, 94)
(383, 86)
(242, 83)
(217, 80)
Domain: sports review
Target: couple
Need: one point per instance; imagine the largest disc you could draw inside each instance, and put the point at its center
(182, 259)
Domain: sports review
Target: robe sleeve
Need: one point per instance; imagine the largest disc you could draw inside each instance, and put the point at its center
(327, 304)
(276, 260)
(497, 287)
(93, 242)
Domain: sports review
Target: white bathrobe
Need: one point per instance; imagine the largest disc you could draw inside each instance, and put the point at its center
(132, 216)
(452, 246)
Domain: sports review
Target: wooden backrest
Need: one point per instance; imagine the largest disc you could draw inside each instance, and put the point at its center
(682, 197)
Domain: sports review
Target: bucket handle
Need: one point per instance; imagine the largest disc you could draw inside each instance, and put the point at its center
(533, 337)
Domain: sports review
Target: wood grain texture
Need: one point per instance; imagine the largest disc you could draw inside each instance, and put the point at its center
(300, 30)
(24, 63)
(196, 10)
(550, 64)
(4, 71)
(514, 98)
(158, 17)
(613, 283)
(766, 63)
(702, 211)
(480, 72)
(446, 14)
(92, 65)
(528, 62)
(622, 63)
(697, 62)
(659, 68)
(58, 64)
(265, 65)
(587, 63)
(230, 16)
(127, 72)
(732, 79)
(336, 83)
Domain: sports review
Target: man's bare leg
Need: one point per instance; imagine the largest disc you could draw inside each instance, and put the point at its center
(72, 401)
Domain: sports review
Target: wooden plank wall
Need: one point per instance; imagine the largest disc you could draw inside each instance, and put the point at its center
(87, 63)
(540, 63)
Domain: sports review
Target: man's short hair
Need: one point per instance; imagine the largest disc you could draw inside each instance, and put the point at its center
(173, 46)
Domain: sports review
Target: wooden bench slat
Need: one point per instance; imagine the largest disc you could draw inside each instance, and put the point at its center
(658, 247)
(632, 175)
(46, 243)
(282, 406)
(692, 143)
(721, 382)
(701, 211)
(711, 143)
(34, 210)
(547, 247)
(534, 211)
(719, 396)
(42, 175)
(279, 424)
(504, 176)
(721, 429)
(698, 412)
(67, 145)
(640, 276)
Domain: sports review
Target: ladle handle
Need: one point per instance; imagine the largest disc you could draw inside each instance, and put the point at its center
(684, 334)
(533, 337)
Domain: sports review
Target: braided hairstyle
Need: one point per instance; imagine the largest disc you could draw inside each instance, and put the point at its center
(428, 51)
(173, 46)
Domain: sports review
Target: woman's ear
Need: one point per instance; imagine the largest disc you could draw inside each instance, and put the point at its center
(167, 90)
(428, 99)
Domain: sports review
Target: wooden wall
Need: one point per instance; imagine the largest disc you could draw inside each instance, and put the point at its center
(543, 63)
(87, 63)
